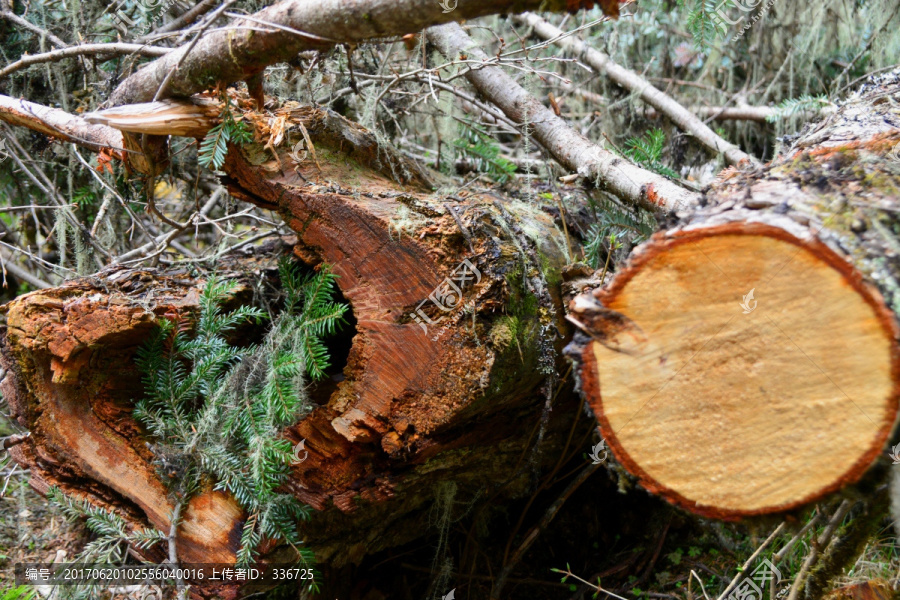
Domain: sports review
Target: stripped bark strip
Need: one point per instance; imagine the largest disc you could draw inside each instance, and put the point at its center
(571, 149)
(628, 79)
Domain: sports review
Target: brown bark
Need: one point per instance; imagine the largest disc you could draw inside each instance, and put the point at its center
(729, 408)
(415, 408)
(242, 50)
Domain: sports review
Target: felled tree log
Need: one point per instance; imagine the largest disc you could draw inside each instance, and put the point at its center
(745, 360)
(457, 337)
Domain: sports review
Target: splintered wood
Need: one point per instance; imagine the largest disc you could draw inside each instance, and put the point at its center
(736, 370)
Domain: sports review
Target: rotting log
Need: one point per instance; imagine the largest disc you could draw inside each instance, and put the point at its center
(745, 360)
(458, 331)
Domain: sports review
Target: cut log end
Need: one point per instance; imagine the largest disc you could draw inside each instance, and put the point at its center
(737, 370)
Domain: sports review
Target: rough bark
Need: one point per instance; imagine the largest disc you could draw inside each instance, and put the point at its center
(731, 408)
(279, 32)
(571, 149)
(455, 401)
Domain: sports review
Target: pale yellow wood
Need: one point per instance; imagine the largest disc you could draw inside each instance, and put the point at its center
(746, 412)
(192, 117)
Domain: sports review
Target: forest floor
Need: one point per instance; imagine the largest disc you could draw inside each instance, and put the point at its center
(668, 555)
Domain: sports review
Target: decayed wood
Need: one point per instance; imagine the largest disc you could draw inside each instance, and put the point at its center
(567, 146)
(428, 396)
(636, 84)
(746, 360)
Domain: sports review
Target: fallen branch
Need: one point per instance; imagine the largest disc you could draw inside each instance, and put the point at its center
(58, 124)
(83, 50)
(26, 24)
(759, 114)
(570, 148)
(628, 79)
(240, 51)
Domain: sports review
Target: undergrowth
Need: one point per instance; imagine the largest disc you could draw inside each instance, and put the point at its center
(215, 412)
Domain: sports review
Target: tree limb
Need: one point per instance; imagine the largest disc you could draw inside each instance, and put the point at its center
(83, 50)
(58, 124)
(567, 146)
(628, 79)
(238, 52)
(202, 7)
(14, 18)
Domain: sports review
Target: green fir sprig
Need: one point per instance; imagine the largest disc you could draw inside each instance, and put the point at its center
(216, 411)
(214, 146)
(647, 151)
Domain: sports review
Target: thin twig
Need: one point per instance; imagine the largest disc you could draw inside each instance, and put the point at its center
(535, 532)
(817, 546)
(110, 50)
(752, 558)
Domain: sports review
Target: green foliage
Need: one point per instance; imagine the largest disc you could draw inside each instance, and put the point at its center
(614, 224)
(21, 592)
(797, 106)
(647, 150)
(483, 152)
(704, 22)
(216, 411)
(214, 146)
(113, 537)
(84, 197)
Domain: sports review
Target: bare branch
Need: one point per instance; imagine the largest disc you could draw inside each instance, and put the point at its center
(14, 18)
(567, 146)
(202, 7)
(241, 51)
(58, 124)
(636, 84)
(83, 50)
